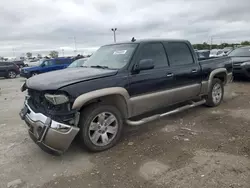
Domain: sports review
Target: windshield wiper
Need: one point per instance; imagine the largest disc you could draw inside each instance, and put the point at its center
(99, 67)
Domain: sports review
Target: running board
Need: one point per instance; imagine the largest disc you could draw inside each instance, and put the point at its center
(157, 116)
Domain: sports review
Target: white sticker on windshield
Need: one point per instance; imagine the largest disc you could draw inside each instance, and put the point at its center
(119, 52)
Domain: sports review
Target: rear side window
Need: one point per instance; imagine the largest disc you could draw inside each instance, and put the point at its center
(59, 61)
(62, 61)
(7, 64)
(156, 52)
(179, 53)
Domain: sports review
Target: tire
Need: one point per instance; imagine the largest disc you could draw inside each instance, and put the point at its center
(98, 137)
(11, 74)
(215, 94)
(33, 74)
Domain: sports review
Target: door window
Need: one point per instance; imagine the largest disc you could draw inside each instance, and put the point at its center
(48, 63)
(156, 52)
(179, 53)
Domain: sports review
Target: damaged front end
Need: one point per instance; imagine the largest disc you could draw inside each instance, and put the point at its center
(51, 121)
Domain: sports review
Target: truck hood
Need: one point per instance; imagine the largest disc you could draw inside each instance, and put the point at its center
(58, 79)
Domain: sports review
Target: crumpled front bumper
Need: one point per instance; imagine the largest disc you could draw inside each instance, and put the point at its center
(24, 74)
(51, 136)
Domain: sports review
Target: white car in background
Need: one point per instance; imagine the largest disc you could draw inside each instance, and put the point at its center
(32, 63)
(216, 53)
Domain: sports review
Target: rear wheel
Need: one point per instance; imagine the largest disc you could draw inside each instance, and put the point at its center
(100, 127)
(216, 93)
(12, 74)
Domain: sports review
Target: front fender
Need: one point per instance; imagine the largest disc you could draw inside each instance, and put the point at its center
(84, 98)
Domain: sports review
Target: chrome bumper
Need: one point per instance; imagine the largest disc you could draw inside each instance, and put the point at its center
(48, 134)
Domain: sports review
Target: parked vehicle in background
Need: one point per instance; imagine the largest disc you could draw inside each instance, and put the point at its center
(216, 53)
(46, 65)
(227, 50)
(204, 53)
(119, 83)
(19, 63)
(78, 63)
(8, 69)
(33, 63)
(241, 61)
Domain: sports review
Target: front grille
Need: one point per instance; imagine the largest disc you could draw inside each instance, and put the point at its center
(37, 101)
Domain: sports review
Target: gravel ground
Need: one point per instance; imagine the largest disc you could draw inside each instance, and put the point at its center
(201, 147)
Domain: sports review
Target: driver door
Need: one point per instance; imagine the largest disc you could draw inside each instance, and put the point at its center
(48, 65)
(148, 88)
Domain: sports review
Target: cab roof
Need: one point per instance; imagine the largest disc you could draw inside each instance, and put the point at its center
(150, 40)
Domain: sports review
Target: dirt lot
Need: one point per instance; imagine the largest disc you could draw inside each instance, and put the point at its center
(198, 148)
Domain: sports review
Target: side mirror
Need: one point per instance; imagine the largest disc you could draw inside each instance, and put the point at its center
(145, 64)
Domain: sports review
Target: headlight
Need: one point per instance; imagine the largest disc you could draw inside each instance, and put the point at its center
(245, 63)
(56, 99)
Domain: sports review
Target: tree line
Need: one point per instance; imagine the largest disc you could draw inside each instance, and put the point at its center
(205, 45)
(52, 54)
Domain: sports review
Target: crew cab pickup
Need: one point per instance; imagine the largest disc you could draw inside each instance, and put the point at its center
(46, 65)
(118, 84)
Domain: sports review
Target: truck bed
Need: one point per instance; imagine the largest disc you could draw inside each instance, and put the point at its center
(215, 60)
(211, 64)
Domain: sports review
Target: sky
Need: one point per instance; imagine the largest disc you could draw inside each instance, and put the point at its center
(39, 26)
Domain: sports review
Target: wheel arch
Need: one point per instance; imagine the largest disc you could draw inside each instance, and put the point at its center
(115, 95)
(220, 73)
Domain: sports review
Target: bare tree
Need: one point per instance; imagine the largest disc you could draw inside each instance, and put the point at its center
(29, 55)
(39, 56)
(53, 54)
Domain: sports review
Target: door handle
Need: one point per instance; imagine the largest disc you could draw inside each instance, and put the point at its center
(170, 74)
(194, 71)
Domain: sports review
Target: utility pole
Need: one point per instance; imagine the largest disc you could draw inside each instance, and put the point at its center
(114, 30)
(13, 50)
(63, 52)
(211, 43)
(75, 44)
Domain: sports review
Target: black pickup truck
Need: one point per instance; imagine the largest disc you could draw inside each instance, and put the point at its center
(118, 84)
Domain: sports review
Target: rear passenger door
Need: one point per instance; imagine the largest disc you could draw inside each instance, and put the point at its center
(185, 70)
(61, 63)
(147, 88)
(3, 69)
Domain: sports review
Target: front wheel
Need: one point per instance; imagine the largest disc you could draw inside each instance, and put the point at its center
(34, 74)
(12, 74)
(216, 93)
(100, 127)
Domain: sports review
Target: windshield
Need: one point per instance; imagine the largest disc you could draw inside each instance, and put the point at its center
(77, 63)
(219, 52)
(240, 52)
(40, 62)
(112, 56)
